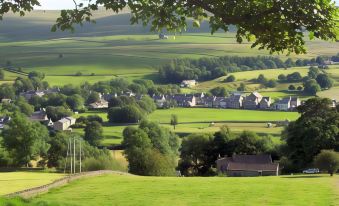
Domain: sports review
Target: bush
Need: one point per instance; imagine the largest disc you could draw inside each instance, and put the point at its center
(102, 163)
(327, 160)
(291, 87)
(230, 78)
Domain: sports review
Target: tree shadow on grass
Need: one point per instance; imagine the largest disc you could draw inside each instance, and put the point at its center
(304, 176)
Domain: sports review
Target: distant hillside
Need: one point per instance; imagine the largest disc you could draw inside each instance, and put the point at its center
(36, 26)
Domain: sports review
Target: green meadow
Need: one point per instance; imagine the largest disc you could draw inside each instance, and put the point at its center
(191, 115)
(17, 181)
(135, 190)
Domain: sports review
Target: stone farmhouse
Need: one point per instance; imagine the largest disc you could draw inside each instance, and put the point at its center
(188, 83)
(248, 165)
(64, 124)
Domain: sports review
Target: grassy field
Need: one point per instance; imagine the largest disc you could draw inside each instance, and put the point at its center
(135, 190)
(197, 115)
(16, 181)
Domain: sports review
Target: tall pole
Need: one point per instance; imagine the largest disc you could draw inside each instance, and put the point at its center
(80, 155)
(70, 146)
(66, 157)
(74, 153)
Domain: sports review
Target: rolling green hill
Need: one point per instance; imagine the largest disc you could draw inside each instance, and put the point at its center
(113, 47)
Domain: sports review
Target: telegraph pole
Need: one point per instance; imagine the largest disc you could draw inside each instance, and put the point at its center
(80, 154)
(66, 157)
(74, 153)
(70, 146)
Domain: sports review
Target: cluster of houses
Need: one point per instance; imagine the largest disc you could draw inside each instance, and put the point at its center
(235, 101)
(40, 93)
(63, 124)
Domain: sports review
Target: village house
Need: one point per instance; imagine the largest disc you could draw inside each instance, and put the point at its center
(6, 101)
(108, 97)
(283, 104)
(252, 101)
(29, 94)
(248, 165)
(39, 116)
(265, 103)
(188, 83)
(101, 104)
(235, 101)
(160, 100)
(199, 98)
(4, 120)
(220, 102)
(295, 102)
(184, 100)
(208, 101)
(40, 93)
(64, 124)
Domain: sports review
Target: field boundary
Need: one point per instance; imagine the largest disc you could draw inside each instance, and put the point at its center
(28, 193)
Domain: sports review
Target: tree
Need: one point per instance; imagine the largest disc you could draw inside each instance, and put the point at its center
(93, 97)
(193, 157)
(271, 83)
(7, 91)
(316, 129)
(24, 107)
(230, 78)
(291, 87)
(261, 79)
(282, 77)
(311, 87)
(93, 133)
(57, 113)
(324, 81)
(249, 143)
(2, 74)
(327, 160)
(151, 149)
(126, 114)
(25, 140)
(294, 77)
(75, 102)
(313, 72)
(219, 91)
(241, 88)
(174, 120)
(39, 75)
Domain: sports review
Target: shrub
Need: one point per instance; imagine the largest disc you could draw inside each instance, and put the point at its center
(230, 78)
(102, 163)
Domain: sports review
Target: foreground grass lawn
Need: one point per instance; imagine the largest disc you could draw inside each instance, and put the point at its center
(134, 190)
(16, 181)
(210, 115)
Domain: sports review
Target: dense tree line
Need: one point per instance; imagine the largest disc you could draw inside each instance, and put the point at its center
(210, 68)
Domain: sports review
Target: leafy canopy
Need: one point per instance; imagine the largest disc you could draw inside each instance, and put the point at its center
(274, 25)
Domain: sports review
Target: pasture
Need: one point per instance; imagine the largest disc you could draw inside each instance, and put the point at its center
(112, 47)
(135, 190)
(17, 181)
(199, 115)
